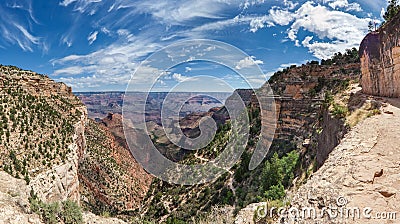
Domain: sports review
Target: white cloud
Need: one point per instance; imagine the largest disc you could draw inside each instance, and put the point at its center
(180, 12)
(73, 70)
(280, 17)
(92, 37)
(105, 30)
(343, 4)
(306, 41)
(289, 4)
(248, 3)
(344, 30)
(383, 11)
(179, 77)
(17, 28)
(66, 40)
(257, 23)
(248, 62)
(67, 2)
(27, 35)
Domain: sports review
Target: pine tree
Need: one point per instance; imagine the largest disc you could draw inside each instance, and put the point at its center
(392, 10)
(370, 26)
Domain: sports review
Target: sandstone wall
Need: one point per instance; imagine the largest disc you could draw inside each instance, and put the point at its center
(380, 60)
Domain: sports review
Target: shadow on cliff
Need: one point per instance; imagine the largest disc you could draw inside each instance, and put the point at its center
(393, 101)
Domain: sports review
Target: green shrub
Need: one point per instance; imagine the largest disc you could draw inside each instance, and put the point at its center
(277, 174)
(68, 213)
(50, 212)
(275, 192)
(71, 213)
(339, 111)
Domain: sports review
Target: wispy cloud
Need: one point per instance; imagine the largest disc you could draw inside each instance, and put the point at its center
(80, 5)
(179, 77)
(15, 28)
(113, 64)
(92, 37)
(328, 25)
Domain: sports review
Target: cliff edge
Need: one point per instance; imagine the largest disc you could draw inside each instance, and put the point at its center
(380, 60)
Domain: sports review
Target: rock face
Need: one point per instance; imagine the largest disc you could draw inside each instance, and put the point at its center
(333, 130)
(14, 204)
(61, 181)
(300, 94)
(42, 133)
(380, 60)
(15, 208)
(42, 144)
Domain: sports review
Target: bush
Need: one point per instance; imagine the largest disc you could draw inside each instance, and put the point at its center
(71, 212)
(277, 174)
(339, 111)
(275, 192)
(50, 212)
(68, 213)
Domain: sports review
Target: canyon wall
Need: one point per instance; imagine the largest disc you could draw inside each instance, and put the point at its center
(61, 181)
(42, 135)
(300, 95)
(380, 60)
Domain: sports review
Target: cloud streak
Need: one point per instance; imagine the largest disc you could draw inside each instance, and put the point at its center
(15, 27)
(328, 26)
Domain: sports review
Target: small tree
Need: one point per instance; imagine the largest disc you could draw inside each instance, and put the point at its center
(392, 10)
(370, 26)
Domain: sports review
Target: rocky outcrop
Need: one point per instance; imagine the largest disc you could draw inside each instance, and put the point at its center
(61, 181)
(42, 134)
(14, 204)
(15, 207)
(299, 95)
(358, 182)
(43, 142)
(380, 60)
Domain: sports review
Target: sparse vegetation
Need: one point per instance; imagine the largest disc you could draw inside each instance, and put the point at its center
(67, 212)
(35, 129)
(392, 10)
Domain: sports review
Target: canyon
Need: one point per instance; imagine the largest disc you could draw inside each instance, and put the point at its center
(58, 147)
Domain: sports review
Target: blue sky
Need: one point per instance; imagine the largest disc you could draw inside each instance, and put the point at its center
(96, 45)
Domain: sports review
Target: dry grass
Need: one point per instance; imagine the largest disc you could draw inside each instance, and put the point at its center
(367, 110)
(218, 215)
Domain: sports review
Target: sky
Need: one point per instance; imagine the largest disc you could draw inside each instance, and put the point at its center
(98, 45)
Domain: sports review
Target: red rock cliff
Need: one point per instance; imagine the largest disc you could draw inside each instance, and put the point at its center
(380, 60)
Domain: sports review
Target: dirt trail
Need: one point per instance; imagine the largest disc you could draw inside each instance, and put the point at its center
(373, 145)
